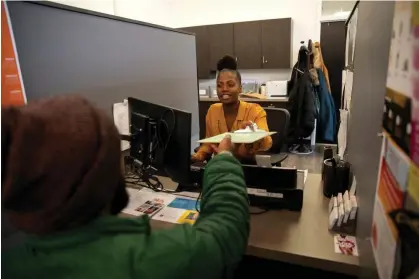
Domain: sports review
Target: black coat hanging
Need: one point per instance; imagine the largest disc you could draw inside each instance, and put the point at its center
(301, 103)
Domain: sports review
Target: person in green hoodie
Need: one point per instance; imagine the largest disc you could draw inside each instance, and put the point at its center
(63, 186)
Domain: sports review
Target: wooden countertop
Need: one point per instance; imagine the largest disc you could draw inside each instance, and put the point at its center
(295, 237)
(215, 99)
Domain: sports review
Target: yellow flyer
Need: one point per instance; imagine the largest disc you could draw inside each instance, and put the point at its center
(188, 217)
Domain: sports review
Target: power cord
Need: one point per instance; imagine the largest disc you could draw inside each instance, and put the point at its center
(197, 208)
(161, 122)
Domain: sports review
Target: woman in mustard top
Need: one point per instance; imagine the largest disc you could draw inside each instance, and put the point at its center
(231, 114)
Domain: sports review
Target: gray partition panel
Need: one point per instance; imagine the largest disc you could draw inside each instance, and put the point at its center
(372, 48)
(105, 59)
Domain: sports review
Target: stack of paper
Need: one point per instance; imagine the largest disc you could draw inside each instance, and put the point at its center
(146, 201)
(245, 138)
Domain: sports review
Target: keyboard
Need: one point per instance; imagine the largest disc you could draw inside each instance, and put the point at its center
(198, 166)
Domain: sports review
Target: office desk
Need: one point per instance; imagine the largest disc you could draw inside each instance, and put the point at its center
(294, 237)
(300, 238)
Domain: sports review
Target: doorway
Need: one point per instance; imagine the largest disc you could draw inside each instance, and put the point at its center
(333, 44)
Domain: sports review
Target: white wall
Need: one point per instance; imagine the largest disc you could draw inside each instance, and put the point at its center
(305, 14)
(152, 11)
(330, 8)
(103, 6)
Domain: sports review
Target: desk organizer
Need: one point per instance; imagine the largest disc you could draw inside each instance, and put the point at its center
(343, 211)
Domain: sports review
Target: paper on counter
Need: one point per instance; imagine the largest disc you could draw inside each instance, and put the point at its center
(139, 199)
(185, 203)
(121, 119)
(169, 214)
(245, 138)
(180, 210)
(188, 217)
(346, 245)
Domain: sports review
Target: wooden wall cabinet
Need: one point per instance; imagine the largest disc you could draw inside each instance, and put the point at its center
(202, 49)
(276, 43)
(248, 45)
(264, 44)
(221, 43)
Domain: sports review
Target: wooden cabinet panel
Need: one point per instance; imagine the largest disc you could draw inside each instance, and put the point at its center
(221, 42)
(202, 49)
(262, 44)
(276, 43)
(248, 44)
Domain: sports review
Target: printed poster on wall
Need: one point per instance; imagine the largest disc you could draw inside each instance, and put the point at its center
(399, 156)
(414, 142)
(12, 90)
(392, 184)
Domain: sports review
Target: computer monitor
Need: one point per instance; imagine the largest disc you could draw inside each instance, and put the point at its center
(170, 143)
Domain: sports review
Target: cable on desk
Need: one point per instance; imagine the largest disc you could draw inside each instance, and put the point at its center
(197, 200)
(152, 182)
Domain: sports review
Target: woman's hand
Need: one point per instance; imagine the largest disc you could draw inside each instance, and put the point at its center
(246, 124)
(250, 148)
(195, 158)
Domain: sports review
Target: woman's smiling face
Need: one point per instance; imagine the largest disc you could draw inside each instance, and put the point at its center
(228, 87)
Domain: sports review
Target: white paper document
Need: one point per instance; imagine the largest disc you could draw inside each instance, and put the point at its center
(245, 138)
(343, 132)
(121, 119)
(178, 211)
(348, 90)
(169, 214)
(146, 201)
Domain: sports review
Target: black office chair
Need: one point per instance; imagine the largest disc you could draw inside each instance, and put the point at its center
(278, 120)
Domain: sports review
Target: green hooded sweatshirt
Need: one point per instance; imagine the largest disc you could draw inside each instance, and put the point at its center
(116, 247)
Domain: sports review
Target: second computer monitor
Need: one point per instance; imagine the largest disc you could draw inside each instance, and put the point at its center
(172, 146)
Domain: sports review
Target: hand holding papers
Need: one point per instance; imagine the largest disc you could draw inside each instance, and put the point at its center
(245, 136)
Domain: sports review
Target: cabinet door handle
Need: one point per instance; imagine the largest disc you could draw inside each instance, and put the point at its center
(236, 59)
(263, 59)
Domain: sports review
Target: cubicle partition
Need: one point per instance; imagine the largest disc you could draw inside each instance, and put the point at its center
(65, 50)
(370, 63)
